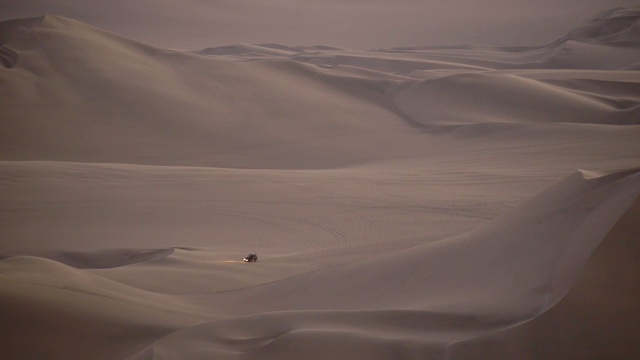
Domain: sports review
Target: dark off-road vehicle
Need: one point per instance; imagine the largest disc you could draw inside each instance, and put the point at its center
(251, 258)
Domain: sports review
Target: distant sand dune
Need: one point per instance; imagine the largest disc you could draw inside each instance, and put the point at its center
(141, 99)
(485, 98)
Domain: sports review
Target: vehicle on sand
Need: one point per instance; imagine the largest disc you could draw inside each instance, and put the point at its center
(251, 258)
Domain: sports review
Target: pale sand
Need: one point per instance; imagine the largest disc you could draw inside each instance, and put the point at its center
(415, 203)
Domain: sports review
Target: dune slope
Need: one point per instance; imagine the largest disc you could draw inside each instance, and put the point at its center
(53, 311)
(593, 320)
(433, 300)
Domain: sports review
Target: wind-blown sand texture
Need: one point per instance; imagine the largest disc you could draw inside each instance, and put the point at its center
(414, 203)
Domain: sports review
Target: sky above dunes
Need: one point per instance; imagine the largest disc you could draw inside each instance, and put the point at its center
(359, 24)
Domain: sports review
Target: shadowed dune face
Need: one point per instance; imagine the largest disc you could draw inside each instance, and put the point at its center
(593, 318)
(408, 203)
(8, 58)
(10, 30)
(53, 311)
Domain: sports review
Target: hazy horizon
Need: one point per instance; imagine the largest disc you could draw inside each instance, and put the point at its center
(195, 24)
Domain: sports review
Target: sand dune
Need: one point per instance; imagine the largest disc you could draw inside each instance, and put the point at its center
(484, 271)
(179, 98)
(459, 289)
(508, 98)
(451, 202)
(198, 102)
(611, 26)
(592, 320)
(107, 259)
(53, 311)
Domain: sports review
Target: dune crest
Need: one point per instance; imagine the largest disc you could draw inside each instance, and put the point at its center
(107, 259)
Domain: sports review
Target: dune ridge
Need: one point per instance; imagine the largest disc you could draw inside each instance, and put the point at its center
(111, 258)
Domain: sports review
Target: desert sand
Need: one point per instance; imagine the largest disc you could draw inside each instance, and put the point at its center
(450, 202)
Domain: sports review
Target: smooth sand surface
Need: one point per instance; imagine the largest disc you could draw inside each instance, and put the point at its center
(461, 202)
